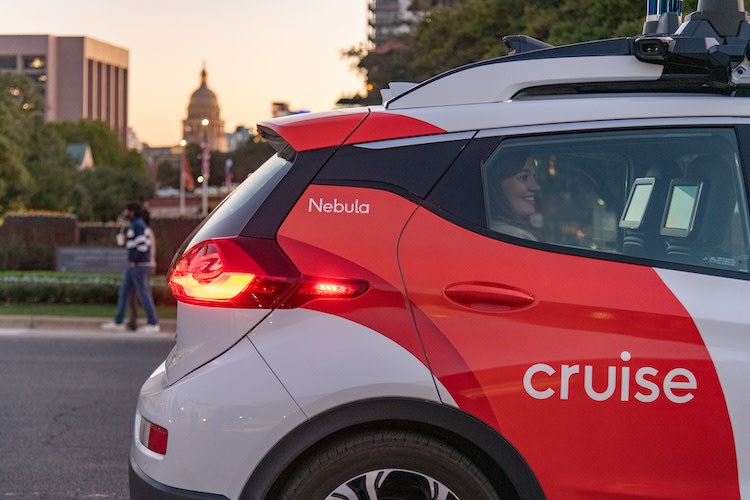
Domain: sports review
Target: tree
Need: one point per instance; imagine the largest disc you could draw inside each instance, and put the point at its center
(573, 21)
(446, 35)
(21, 113)
(249, 156)
(117, 177)
(451, 33)
(52, 172)
(101, 193)
(167, 174)
(453, 36)
(105, 146)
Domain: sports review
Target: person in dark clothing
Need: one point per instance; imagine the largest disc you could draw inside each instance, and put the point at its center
(138, 245)
(134, 303)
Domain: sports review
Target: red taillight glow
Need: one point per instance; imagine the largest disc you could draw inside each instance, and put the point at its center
(250, 273)
(222, 272)
(325, 288)
(154, 437)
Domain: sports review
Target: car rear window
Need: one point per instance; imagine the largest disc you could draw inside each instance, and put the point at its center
(231, 216)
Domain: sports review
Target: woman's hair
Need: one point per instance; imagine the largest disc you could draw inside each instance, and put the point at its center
(135, 208)
(146, 216)
(504, 165)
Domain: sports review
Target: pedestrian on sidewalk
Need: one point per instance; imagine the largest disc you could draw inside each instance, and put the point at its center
(136, 276)
(134, 303)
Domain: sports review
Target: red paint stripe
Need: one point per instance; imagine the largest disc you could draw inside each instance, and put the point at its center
(318, 130)
(352, 126)
(381, 126)
(361, 246)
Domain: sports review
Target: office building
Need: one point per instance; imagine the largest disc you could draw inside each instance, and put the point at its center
(387, 19)
(79, 77)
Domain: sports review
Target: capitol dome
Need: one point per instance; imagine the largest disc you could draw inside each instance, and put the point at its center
(204, 105)
(203, 102)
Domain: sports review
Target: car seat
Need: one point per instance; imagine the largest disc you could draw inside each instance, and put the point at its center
(705, 242)
(646, 240)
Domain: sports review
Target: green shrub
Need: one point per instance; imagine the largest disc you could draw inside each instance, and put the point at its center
(70, 288)
(26, 256)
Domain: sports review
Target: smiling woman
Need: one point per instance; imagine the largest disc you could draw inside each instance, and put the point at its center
(512, 186)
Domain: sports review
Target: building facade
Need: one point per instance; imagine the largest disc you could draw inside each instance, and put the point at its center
(386, 19)
(203, 122)
(79, 77)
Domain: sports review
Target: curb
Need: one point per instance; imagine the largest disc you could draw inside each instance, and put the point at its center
(67, 323)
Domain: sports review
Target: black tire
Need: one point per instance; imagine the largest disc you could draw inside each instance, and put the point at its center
(393, 465)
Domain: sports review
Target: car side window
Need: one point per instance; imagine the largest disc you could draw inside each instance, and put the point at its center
(672, 195)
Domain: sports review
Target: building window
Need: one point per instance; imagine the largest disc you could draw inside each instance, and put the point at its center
(8, 62)
(34, 63)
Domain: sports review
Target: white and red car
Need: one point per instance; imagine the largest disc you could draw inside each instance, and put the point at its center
(352, 325)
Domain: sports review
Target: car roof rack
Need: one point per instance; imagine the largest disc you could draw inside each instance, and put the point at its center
(521, 43)
(708, 52)
(395, 89)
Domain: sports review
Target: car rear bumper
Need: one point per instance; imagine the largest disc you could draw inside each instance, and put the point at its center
(221, 420)
(145, 488)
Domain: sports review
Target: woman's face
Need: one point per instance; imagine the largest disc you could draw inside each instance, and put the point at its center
(520, 190)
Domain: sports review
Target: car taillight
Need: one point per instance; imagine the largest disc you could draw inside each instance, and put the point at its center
(154, 437)
(250, 273)
(324, 288)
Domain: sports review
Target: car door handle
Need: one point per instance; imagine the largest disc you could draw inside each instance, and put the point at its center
(488, 294)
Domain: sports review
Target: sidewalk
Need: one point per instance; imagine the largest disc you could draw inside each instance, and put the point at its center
(67, 323)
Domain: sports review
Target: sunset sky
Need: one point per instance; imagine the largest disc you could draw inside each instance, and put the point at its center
(255, 52)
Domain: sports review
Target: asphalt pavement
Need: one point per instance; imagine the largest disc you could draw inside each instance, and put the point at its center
(68, 323)
(67, 408)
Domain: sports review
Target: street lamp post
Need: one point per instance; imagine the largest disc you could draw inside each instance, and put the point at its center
(183, 143)
(205, 165)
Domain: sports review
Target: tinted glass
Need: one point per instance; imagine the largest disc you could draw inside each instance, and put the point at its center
(409, 170)
(691, 209)
(232, 214)
(608, 192)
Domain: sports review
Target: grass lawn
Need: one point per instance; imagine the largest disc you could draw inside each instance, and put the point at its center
(77, 310)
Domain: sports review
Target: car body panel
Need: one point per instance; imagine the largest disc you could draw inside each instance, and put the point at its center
(332, 128)
(368, 252)
(503, 363)
(482, 83)
(251, 420)
(380, 124)
(723, 324)
(205, 333)
(351, 362)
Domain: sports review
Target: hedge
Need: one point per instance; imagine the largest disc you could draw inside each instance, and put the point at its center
(66, 288)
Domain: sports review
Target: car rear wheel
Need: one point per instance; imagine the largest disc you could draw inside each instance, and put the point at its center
(388, 465)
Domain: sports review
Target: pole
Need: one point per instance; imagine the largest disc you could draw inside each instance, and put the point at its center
(205, 166)
(182, 176)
